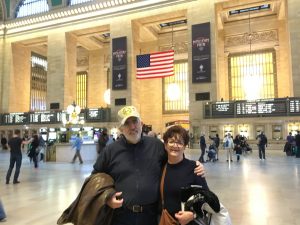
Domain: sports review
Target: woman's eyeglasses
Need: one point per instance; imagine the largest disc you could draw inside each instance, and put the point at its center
(174, 143)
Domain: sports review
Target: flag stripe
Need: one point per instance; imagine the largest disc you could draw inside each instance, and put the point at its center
(155, 65)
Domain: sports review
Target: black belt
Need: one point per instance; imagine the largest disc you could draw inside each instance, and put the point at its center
(141, 208)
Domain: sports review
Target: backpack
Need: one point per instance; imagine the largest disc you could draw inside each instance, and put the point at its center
(227, 143)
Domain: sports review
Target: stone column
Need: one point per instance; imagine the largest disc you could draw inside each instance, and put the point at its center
(61, 75)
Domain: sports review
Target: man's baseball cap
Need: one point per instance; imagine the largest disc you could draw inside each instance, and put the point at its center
(126, 112)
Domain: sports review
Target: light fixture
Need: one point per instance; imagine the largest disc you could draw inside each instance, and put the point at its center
(74, 110)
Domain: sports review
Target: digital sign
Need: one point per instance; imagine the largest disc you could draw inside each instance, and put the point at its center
(14, 118)
(294, 105)
(94, 115)
(42, 117)
(223, 109)
(261, 108)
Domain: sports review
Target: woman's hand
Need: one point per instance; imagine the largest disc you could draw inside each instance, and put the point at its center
(184, 217)
(115, 201)
(199, 170)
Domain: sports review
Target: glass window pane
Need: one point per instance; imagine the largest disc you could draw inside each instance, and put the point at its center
(176, 95)
(252, 76)
(31, 7)
(81, 89)
(38, 90)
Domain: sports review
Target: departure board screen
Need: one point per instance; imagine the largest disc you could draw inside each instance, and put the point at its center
(42, 117)
(223, 109)
(294, 105)
(14, 118)
(261, 108)
(94, 114)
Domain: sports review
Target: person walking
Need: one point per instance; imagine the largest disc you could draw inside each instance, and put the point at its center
(103, 139)
(135, 163)
(228, 145)
(216, 141)
(262, 143)
(77, 146)
(41, 147)
(15, 144)
(202, 148)
(33, 149)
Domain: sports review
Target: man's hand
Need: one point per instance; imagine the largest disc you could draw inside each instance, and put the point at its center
(199, 170)
(184, 217)
(115, 201)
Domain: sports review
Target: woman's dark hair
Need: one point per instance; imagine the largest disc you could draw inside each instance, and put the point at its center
(177, 131)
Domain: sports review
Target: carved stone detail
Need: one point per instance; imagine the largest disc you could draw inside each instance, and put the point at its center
(179, 47)
(83, 61)
(255, 37)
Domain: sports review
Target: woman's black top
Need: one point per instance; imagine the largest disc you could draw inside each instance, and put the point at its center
(177, 176)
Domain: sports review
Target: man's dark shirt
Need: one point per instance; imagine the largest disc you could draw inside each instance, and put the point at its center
(135, 168)
(15, 145)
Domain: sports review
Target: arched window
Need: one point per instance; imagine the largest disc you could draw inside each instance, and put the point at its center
(175, 90)
(252, 75)
(75, 2)
(31, 7)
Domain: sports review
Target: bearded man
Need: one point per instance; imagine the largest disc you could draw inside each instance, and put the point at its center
(135, 163)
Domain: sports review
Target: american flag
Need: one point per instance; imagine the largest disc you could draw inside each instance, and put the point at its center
(155, 65)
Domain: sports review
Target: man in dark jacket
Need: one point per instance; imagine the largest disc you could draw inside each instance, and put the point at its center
(103, 139)
(262, 143)
(202, 147)
(135, 163)
(297, 140)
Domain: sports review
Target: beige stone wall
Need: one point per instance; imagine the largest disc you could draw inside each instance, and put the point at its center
(19, 93)
(294, 24)
(200, 12)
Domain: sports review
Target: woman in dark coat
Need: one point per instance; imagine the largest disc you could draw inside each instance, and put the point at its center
(33, 150)
(237, 146)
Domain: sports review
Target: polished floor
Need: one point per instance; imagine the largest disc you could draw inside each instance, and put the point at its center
(255, 192)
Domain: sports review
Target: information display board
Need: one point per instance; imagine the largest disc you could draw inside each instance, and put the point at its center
(14, 118)
(43, 117)
(225, 109)
(261, 108)
(294, 105)
(94, 115)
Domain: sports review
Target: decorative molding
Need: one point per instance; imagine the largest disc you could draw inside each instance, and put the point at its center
(179, 47)
(83, 61)
(256, 37)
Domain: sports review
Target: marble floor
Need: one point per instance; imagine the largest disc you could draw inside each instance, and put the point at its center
(255, 192)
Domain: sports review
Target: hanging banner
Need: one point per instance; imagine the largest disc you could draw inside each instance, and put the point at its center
(201, 53)
(119, 63)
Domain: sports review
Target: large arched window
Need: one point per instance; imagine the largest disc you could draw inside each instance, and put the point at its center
(38, 92)
(252, 75)
(75, 2)
(31, 7)
(176, 90)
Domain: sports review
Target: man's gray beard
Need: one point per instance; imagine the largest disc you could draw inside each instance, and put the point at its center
(133, 140)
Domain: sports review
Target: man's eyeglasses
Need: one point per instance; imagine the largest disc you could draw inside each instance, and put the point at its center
(174, 143)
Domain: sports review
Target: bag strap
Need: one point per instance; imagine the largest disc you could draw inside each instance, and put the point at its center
(162, 183)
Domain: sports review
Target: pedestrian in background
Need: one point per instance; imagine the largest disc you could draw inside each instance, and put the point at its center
(77, 146)
(202, 148)
(228, 145)
(262, 143)
(15, 157)
(103, 139)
